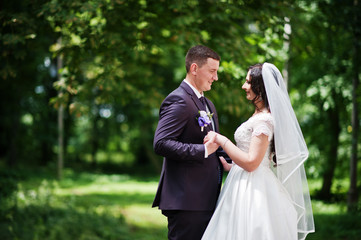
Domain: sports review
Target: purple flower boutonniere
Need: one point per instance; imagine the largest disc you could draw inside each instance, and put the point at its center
(204, 119)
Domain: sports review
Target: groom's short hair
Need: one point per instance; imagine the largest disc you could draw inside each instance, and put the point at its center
(199, 54)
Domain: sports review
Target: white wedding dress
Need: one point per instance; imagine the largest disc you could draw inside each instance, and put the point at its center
(253, 205)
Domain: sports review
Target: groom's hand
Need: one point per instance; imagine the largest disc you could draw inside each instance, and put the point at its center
(210, 143)
(211, 147)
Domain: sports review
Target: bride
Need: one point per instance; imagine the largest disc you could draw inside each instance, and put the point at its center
(265, 195)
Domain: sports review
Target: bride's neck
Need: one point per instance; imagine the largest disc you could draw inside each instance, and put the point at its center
(260, 107)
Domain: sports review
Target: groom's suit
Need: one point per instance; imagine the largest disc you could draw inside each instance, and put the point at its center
(189, 181)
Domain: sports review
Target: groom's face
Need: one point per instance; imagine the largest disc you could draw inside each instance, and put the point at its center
(206, 74)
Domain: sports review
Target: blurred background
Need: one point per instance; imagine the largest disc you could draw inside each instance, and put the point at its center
(82, 82)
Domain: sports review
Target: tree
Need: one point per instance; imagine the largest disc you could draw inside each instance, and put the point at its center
(322, 69)
(133, 60)
(355, 120)
(25, 87)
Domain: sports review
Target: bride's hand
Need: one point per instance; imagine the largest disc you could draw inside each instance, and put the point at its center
(210, 137)
(226, 166)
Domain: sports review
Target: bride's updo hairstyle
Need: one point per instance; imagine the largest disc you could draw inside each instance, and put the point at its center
(257, 86)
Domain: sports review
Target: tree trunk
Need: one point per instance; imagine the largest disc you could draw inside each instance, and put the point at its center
(95, 139)
(335, 129)
(48, 116)
(12, 157)
(60, 141)
(353, 194)
(60, 125)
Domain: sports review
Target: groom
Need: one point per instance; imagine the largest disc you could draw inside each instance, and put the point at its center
(191, 176)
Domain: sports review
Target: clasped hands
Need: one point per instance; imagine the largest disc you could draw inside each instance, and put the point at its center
(212, 141)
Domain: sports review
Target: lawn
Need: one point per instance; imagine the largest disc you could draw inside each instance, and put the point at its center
(99, 206)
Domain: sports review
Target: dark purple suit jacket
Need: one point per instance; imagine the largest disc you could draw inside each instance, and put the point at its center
(188, 180)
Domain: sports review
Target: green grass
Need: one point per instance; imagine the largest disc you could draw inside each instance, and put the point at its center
(99, 206)
(84, 206)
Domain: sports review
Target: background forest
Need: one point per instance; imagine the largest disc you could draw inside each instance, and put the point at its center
(81, 85)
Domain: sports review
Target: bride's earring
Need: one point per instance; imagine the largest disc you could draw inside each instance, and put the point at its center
(258, 99)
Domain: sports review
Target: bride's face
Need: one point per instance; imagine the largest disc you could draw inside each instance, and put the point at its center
(247, 87)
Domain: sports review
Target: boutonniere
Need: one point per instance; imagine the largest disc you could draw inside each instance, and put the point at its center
(204, 119)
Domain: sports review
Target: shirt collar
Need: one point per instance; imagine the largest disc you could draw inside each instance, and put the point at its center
(198, 94)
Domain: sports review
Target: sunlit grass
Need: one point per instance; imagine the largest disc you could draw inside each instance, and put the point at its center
(121, 199)
(143, 216)
(118, 206)
(320, 207)
(122, 195)
(339, 186)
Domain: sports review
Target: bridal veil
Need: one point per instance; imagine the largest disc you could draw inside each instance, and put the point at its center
(290, 147)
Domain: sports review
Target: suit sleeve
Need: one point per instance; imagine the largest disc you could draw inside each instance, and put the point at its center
(173, 117)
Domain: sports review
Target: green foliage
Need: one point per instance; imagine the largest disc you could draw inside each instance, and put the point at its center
(322, 69)
(38, 222)
(121, 58)
(8, 186)
(336, 226)
(24, 41)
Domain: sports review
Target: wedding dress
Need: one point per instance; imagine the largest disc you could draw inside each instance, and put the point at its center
(253, 205)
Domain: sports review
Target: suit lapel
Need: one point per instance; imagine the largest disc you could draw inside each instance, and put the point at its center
(215, 116)
(193, 96)
(212, 110)
(200, 105)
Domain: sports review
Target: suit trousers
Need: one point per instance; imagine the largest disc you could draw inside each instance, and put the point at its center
(187, 225)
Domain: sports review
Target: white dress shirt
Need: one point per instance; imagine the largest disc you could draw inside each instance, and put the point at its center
(198, 94)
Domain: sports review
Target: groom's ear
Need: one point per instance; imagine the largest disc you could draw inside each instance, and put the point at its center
(193, 69)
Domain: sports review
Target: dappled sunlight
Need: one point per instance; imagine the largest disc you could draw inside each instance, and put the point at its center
(127, 187)
(143, 216)
(83, 82)
(118, 196)
(95, 199)
(320, 207)
(102, 206)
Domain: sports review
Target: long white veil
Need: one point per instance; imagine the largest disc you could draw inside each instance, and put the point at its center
(290, 146)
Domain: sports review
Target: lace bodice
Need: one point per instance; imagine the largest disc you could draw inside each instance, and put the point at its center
(256, 125)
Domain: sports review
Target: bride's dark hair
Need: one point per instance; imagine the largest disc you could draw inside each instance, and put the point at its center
(257, 86)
